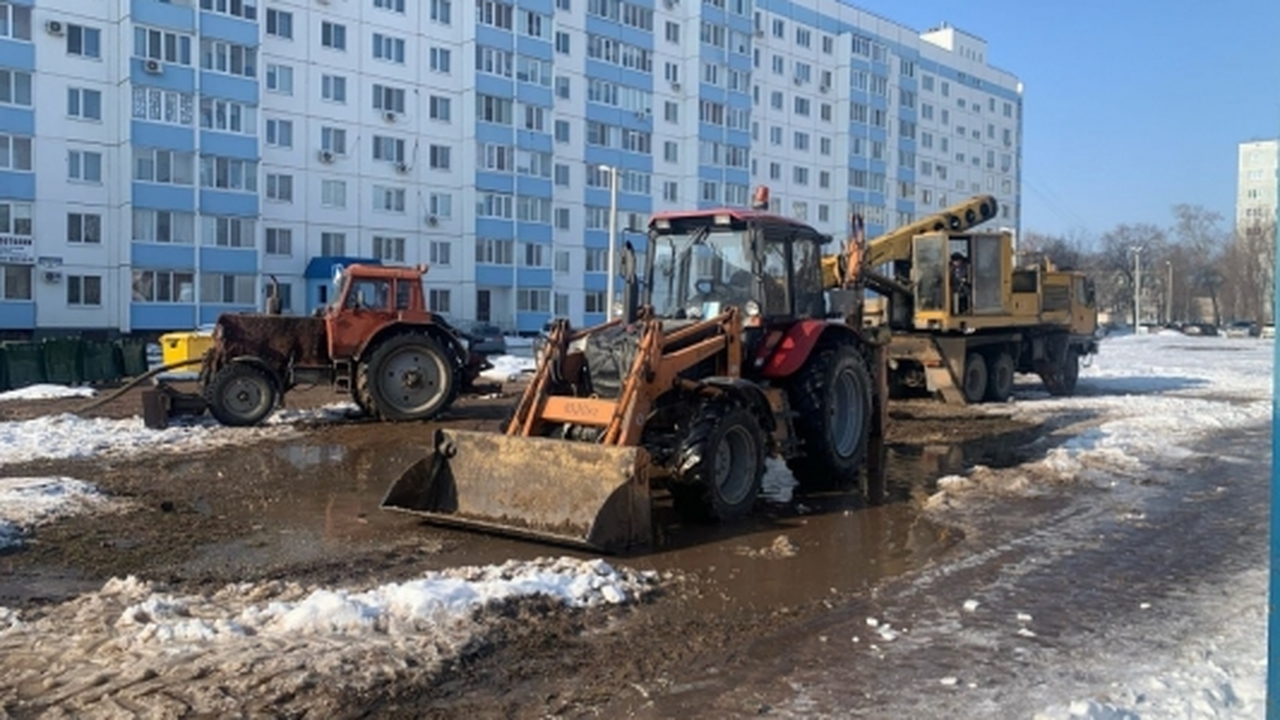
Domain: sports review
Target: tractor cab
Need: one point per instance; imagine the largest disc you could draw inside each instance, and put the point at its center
(701, 263)
(368, 298)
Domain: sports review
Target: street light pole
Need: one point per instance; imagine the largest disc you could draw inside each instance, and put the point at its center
(1137, 287)
(613, 239)
(1168, 293)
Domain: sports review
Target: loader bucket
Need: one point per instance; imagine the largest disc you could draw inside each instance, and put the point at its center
(559, 491)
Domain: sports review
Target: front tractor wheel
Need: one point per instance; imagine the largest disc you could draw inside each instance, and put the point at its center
(721, 465)
(408, 377)
(832, 398)
(1061, 379)
(1000, 377)
(240, 395)
(975, 378)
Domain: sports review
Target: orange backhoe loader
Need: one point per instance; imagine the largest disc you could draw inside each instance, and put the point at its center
(724, 355)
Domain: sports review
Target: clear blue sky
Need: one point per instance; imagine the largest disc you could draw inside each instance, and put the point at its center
(1130, 106)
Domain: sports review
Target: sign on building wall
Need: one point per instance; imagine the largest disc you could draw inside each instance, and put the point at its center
(16, 250)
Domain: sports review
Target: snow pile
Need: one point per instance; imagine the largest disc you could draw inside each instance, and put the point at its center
(778, 484)
(26, 502)
(47, 392)
(507, 368)
(262, 642)
(1142, 404)
(67, 436)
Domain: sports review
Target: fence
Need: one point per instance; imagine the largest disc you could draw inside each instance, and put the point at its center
(70, 361)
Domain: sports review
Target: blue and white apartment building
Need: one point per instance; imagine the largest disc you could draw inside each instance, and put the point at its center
(160, 159)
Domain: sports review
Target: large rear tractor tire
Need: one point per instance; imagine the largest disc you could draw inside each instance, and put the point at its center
(240, 395)
(832, 398)
(721, 465)
(1000, 377)
(407, 377)
(974, 387)
(1061, 382)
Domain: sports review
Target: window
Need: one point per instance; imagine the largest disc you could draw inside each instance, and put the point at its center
(217, 288)
(84, 228)
(333, 88)
(333, 193)
(279, 187)
(562, 218)
(228, 116)
(333, 139)
(280, 23)
(438, 300)
(440, 108)
(333, 35)
(494, 252)
(163, 286)
(81, 41)
(16, 282)
(228, 58)
(597, 259)
(388, 199)
(388, 149)
(164, 106)
(237, 232)
(388, 99)
(82, 165)
(280, 133)
(388, 48)
(442, 11)
(392, 5)
(279, 241)
(561, 261)
(15, 21)
(168, 167)
(389, 248)
(593, 302)
(562, 131)
(440, 60)
(439, 252)
(163, 45)
(84, 290)
(440, 205)
(83, 103)
(15, 218)
(528, 300)
(236, 8)
(494, 13)
(562, 42)
(162, 226)
(280, 78)
(15, 87)
(333, 243)
(229, 173)
(562, 87)
(439, 157)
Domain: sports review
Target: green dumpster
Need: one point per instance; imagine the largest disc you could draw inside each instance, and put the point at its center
(24, 364)
(133, 356)
(62, 360)
(99, 362)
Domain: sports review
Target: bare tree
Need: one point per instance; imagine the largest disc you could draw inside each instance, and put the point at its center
(1065, 253)
(1112, 264)
(1197, 230)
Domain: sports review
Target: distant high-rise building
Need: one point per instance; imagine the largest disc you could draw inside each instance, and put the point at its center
(160, 158)
(1257, 194)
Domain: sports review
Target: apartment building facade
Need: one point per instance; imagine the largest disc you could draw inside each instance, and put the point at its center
(161, 162)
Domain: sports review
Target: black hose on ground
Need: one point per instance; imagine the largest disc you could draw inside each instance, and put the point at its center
(136, 382)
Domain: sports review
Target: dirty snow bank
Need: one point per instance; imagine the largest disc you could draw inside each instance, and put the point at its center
(1140, 406)
(47, 392)
(67, 436)
(507, 368)
(27, 502)
(252, 644)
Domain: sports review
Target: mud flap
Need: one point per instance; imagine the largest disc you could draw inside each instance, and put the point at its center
(565, 492)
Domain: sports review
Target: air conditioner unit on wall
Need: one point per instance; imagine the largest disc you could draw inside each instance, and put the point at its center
(326, 156)
(402, 167)
(51, 276)
(432, 220)
(675, 86)
(389, 115)
(55, 27)
(153, 66)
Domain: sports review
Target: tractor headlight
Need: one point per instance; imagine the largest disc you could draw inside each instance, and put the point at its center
(751, 308)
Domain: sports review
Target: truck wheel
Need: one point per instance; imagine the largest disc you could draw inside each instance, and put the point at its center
(1000, 377)
(408, 377)
(721, 464)
(240, 395)
(832, 399)
(1063, 380)
(975, 378)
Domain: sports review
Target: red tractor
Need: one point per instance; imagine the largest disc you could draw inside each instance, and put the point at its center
(376, 341)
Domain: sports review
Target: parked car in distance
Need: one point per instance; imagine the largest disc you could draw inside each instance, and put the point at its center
(1268, 332)
(1242, 329)
(487, 339)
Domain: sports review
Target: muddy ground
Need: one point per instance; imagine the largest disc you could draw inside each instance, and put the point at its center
(307, 509)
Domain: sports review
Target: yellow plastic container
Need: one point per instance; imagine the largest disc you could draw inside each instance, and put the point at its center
(179, 346)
